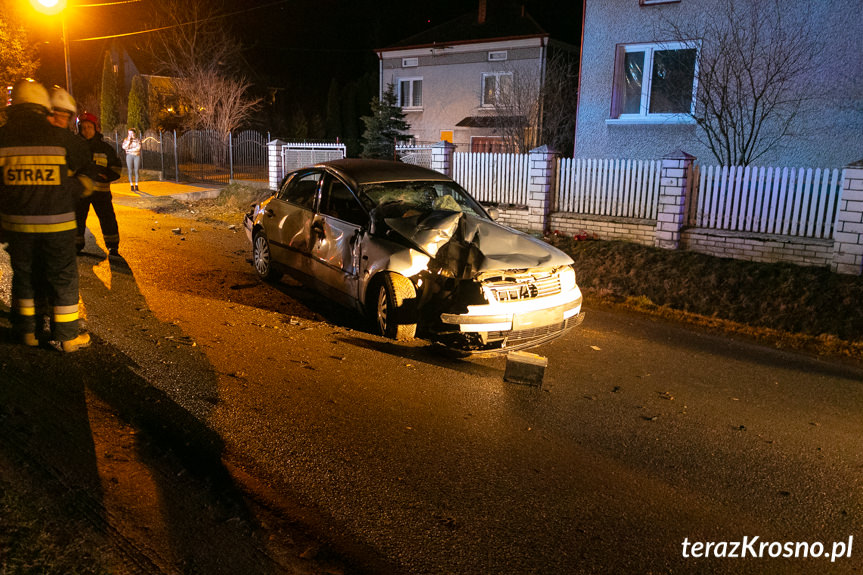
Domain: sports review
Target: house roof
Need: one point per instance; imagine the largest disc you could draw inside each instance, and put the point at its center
(499, 25)
(489, 121)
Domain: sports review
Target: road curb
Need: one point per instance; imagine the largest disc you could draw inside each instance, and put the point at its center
(192, 196)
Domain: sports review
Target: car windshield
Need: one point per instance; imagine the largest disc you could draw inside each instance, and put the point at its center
(405, 199)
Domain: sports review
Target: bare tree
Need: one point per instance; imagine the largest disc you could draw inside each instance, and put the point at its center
(535, 106)
(752, 74)
(203, 59)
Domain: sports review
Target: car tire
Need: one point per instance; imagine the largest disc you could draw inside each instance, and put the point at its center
(395, 307)
(263, 258)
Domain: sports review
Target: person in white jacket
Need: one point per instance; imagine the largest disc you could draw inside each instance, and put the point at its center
(132, 145)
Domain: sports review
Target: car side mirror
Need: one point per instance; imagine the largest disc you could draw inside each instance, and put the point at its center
(493, 213)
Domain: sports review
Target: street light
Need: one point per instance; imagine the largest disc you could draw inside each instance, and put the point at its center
(51, 8)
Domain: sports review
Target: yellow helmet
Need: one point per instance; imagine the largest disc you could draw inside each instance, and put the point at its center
(28, 91)
(62, 100)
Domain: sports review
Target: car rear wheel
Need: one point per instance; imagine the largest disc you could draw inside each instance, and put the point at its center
(395, 309)
(263, 258)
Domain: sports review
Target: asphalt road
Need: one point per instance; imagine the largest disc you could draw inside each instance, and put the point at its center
(644, 434)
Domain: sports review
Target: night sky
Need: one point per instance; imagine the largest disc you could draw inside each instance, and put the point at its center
(299, 45)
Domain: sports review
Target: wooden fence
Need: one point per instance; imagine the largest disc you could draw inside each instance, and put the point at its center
(623, 188)
(798, 202)
(495, 178)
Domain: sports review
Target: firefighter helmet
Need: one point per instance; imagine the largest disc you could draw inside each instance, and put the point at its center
(88, 117)
(30, 92)
(62, 100)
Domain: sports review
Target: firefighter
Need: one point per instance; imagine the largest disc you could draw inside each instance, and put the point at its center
(63, 107)
(106, 158)
(63, 110)
(37, 213)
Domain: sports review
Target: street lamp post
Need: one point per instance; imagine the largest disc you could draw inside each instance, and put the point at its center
(52, 7)
(66, 56)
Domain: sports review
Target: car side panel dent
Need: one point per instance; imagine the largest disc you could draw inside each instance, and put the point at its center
(380, 256)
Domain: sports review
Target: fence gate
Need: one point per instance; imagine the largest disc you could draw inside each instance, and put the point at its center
(416, 155)
(297, 155)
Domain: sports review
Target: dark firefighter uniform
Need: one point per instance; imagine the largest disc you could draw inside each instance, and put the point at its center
(38, 193)
(109, 168)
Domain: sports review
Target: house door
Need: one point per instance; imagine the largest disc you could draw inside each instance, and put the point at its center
(487, 144)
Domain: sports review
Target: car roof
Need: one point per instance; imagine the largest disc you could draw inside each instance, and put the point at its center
(359, 171)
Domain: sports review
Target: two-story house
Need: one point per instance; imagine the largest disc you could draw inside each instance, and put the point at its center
(469, 81)
(645, 66)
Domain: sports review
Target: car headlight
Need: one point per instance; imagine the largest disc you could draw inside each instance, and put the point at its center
(567, 279)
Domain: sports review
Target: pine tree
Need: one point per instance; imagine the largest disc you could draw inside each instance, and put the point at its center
(384, 127)
(138, 106)
(108, 103)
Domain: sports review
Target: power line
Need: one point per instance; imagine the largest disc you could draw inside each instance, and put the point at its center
(178, 25)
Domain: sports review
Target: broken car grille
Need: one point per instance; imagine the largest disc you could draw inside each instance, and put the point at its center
(528, 335)
(518, 288)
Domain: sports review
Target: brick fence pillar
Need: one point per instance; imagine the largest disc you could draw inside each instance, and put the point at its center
(274, 162)
(540, 172)
(848, 233)
(442, 154)
(671, 212)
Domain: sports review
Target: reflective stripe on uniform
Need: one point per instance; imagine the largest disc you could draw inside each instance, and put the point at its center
(24, 306)
(8, 156)
(65, 313)
(38, 224)
(101, 159)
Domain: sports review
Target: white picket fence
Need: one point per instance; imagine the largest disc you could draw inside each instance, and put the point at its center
(798, 202)
(496, 178)
(623, 188)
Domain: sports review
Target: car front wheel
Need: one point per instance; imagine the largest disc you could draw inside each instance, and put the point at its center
(263, 258)
(395, 309)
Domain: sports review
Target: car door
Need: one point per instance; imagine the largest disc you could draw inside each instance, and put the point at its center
(288, 219)
(336, 232)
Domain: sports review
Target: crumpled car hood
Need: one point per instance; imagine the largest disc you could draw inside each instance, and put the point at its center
(467, 245)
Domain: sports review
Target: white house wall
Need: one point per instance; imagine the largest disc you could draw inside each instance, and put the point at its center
(831, 135)
(452, 84)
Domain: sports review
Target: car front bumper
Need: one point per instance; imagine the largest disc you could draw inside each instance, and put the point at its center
(511, 326)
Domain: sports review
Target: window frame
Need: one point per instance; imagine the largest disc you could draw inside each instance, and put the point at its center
(644, 116)
(410, 80)
(291, 183)
(325, 207)
(497, 76)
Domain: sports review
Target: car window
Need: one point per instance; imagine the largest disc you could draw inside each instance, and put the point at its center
(404, 199)
(338, 201)
(301, 189)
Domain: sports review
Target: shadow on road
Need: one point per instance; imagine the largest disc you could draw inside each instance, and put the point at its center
(106, 426)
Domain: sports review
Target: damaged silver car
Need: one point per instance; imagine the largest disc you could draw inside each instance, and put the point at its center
(409, 247)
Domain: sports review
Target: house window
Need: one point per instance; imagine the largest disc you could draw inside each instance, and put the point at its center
(649, 2)
(655, 81)
(410, 62)
(411, 92)
(497, 56)
(496, 88)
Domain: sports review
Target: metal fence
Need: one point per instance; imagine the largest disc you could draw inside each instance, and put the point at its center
(417, 155)
(297, 155)
(202, 155)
